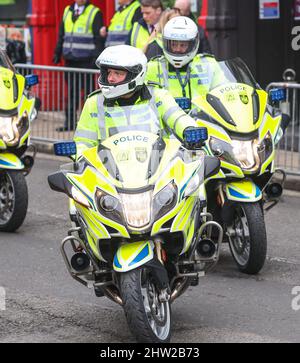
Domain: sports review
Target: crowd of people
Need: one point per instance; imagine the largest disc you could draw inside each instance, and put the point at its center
(137, 23)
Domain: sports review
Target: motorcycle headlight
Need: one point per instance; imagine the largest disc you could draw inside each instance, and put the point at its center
(222, 150)
(165, 200)
(13, 128)
(109, 206)
(246, 153)
(137, 208)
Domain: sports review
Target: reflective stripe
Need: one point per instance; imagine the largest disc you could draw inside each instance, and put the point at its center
(136, 33)
(101, 115)
(170, 112)
(66, 13)
(153, 102)
(85, 143)
(113, 114)
(79, 35)
(88, 23)
(79, 46)
(165, 74)
(175, 123)
(126, 19)
(86, 134)
(140, 110)
(116, 38)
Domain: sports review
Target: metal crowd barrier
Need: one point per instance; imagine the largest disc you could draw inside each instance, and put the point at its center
(62, 92)
(288, 151)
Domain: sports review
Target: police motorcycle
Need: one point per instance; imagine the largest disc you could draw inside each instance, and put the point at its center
(243, 132)
(141, 236)
(18, 108)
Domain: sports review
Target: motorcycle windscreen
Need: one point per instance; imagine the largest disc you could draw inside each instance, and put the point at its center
(11, 89)
(130, 153)
(233, 97)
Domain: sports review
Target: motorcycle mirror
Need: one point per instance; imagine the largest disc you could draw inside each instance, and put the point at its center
(277, 94)
(31, 80)
(194, 137)
(211, 166)
(65, 148)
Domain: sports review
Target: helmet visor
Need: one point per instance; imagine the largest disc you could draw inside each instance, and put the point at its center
(179, 47)
(131, 73)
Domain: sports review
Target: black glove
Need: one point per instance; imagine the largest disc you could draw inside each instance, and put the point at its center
(56, 59)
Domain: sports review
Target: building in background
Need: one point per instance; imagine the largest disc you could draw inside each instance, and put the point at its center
(264, 33)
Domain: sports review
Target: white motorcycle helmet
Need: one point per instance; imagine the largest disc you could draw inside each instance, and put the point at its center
(180, 41)
(122, 57)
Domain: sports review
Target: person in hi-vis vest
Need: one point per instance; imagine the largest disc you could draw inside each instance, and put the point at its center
(127, 14)
(142, 29)
(124, 102)
(79, 44)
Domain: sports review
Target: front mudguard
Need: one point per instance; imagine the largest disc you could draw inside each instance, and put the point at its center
(133, 255)
(243, 191)
(11, 162)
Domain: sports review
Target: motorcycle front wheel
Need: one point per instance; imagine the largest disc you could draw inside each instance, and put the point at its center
(13, 200)
(248, 237)
(148, 319)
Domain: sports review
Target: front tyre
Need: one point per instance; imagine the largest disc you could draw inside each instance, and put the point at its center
(13, 200)
(248, 237)
(148, 319)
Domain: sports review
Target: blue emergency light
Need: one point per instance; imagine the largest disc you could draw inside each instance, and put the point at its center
(195, 135)
(31, 80)
(65, 148)
(277, 94)
(183, 102)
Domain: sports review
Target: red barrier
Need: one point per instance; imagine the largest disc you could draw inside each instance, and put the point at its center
(45, 19)
(203, 16)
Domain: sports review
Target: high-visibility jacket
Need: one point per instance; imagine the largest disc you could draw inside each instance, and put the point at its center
(202, 74)
(98, 121)
(139, 36)
(79, 38)
(121, 24)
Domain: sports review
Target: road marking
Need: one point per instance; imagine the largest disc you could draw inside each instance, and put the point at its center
(282, 259)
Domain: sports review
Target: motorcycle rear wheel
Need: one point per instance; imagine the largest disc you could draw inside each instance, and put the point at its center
(13, 200)
(148, 319)
(248, 237)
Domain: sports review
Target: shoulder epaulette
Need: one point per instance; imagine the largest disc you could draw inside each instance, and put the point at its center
(207, 55)
(94, 93)
(153, 84)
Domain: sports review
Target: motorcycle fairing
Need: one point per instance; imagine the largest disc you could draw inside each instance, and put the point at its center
(133, 255)
(11, 89)
(10, 161)
(232, 106)
(243, 191)
(269, 128)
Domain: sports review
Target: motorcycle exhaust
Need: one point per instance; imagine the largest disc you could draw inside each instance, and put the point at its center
(274, 191)
(80, 262)
(206, 248)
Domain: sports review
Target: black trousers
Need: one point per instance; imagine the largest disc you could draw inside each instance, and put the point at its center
(79, 86)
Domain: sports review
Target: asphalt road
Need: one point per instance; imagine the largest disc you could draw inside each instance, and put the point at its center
(43, 303)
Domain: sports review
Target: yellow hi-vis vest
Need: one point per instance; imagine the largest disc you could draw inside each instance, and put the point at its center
(98, 121)
(204, 73)
(79, 38)
(139, 36)
(121, 24)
